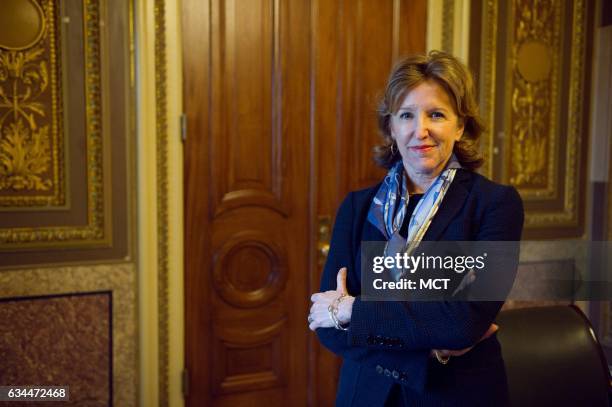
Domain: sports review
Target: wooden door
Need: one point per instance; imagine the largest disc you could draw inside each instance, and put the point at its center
(280, 99)
(355, 43)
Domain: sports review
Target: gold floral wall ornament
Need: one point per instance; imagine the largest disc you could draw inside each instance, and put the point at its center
(33, 145)
(24, 148)
(534, 78)
(534, 63)
(24, 156)
(31, 131)
(530, 104)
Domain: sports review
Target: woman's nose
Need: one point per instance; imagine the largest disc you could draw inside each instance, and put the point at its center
(421, 127)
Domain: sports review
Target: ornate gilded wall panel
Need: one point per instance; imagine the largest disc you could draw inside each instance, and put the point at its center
(91, 103)
(532, 96)
(534, 64)
(483, 56)
(31, 125)
(59, 105)
(448, 11)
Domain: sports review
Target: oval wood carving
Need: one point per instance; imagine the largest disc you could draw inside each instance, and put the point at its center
(249, 270)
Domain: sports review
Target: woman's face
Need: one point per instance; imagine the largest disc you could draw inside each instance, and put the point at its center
(425, 129)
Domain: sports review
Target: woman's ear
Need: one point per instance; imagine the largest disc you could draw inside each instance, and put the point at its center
(460, 130)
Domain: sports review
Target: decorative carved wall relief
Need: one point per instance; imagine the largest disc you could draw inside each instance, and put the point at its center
(534, 74)
(266, 275)
(533, 65)
(58, 161)
(251, 360)
(66, 165)
(31, 123)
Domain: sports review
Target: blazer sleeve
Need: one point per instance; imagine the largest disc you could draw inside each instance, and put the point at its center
(443, 324)
(410, 365)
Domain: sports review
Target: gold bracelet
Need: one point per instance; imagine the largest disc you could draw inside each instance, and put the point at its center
(442, 359)
(333, 312)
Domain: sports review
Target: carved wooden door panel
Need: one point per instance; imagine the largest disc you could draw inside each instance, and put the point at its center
(354, 43)
(280, 100)
(247, 171)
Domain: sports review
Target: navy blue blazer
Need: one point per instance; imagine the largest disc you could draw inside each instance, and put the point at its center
(390, 342)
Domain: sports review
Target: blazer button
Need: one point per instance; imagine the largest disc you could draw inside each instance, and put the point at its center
(387, 372)
(395, 374)
(379, 369)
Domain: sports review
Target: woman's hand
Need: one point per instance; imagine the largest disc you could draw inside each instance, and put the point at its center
(319, 313)
(447, 352)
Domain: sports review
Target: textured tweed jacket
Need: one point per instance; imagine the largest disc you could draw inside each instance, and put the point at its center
(390, 342)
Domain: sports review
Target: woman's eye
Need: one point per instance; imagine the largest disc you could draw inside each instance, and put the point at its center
(405, 115)
(437, 115)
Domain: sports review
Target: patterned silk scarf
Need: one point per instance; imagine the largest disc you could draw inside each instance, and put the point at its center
(389, 205)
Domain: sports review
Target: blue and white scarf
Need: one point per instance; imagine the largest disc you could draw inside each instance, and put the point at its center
(390, 204)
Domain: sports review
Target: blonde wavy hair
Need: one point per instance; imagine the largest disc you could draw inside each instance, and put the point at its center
(455, 78)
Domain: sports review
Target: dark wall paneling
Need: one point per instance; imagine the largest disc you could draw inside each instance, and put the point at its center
(59, 340)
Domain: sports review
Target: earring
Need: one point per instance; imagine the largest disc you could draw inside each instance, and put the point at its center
(392, 149)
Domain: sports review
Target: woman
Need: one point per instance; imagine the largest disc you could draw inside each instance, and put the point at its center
(418, 353)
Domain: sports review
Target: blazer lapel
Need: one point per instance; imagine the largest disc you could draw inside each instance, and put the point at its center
(453, 202)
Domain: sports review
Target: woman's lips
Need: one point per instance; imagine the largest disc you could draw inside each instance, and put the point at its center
(421, 149)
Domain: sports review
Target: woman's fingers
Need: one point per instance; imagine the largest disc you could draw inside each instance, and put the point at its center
(319, 314)
(452, 352)
(318, 306)
(328, 296)
(492, 329)
(320, 319)
(341, 281)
